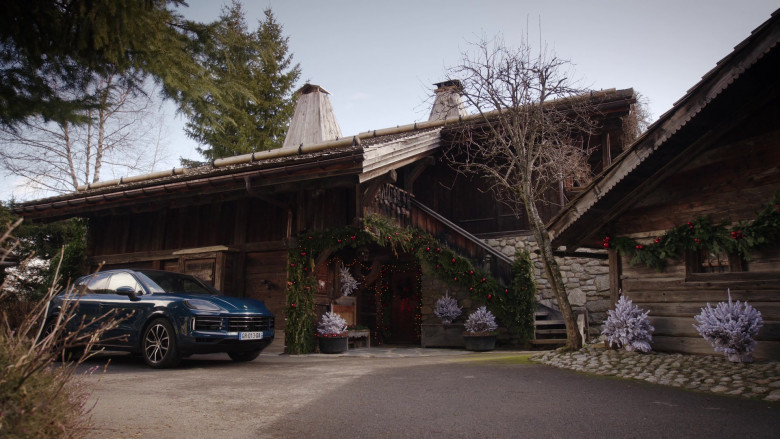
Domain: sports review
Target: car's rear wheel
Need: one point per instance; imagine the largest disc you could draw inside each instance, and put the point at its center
(241, 356)
(159, 345)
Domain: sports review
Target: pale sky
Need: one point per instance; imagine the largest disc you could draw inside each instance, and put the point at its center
(379, 59)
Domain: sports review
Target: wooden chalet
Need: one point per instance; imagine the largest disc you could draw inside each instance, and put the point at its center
(715, 154)
(232, 222)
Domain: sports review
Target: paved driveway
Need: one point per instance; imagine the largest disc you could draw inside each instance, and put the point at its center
(436, 394)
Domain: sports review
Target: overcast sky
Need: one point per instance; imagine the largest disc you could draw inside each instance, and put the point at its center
(379, 59)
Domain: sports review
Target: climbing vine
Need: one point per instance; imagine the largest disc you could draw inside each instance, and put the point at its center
(444, 263)
(741, 238)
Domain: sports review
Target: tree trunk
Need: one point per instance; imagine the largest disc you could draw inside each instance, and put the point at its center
(573, 339)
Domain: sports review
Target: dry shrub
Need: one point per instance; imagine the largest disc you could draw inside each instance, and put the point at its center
(40, 398)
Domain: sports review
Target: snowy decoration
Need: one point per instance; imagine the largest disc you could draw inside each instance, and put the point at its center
(348, 283)
(628, 327)
(331, 325)
(447, 308)
(481, 321)
(730, 328)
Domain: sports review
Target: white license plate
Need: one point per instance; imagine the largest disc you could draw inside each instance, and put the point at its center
(250, 335)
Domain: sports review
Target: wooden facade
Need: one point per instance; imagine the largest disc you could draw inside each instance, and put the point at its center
(232, 223)
(716, 154)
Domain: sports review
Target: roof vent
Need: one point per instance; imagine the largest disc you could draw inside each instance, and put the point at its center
(448, 103)
(313, 121)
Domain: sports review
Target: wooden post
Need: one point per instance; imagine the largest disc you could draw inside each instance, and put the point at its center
(614, 276)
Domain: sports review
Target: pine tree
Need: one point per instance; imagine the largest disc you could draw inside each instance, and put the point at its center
(50, 50)
(254, 115)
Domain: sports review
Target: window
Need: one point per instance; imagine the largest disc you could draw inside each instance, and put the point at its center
(124, 280)
(705, 261)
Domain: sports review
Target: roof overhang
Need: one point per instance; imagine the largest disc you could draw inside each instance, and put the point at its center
(743, 81)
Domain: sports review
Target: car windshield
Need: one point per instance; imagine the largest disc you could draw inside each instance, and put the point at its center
(168, 282)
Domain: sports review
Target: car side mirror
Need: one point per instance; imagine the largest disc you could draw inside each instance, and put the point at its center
(127, 291)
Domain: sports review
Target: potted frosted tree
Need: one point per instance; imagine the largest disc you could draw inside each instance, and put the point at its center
(730, 328)
(447, 309)
(481, 329)
(628, 327)
(332, 336)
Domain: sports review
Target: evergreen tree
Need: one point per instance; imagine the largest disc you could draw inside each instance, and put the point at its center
(254, 114)
(50, 50)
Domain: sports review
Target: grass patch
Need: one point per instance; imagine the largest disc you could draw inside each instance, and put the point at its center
(498, 358)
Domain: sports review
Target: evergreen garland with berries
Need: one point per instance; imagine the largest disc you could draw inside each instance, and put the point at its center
(741, 238)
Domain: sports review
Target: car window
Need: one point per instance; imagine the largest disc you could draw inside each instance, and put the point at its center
(168, 282)
(97, 284)
(124, 280)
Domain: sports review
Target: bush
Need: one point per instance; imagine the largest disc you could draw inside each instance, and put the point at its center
(481, 322)
(37, 398)
(730, 328)
(515, 307)
(628, 327)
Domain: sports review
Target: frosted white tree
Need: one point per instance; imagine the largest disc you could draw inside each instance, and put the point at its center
(348, 283)
(628, 327)
(481, 321)
(331, 324)
(447, 308)
(730, 328)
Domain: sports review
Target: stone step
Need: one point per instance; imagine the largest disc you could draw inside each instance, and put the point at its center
(551, 331)
(549, 322)
(548, 341)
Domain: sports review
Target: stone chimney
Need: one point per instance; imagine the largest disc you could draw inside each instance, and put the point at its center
(448, 103)
(313, 121)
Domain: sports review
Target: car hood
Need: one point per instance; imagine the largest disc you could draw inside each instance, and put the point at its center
(231, 304)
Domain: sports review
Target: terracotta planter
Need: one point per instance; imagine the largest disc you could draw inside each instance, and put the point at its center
(480, 343)
(333, 345)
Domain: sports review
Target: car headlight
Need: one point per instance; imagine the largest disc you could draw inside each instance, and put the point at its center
(201, 305)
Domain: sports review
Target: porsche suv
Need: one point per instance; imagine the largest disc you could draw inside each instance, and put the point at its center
(167, 316)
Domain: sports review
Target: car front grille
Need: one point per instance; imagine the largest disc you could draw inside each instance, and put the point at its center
(235, 323)
(250, 323)
(208, 323)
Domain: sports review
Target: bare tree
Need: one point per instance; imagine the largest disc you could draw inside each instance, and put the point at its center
(121, 135)
(530, 137)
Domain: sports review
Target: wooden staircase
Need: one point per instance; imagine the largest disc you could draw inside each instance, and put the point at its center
(549, 328)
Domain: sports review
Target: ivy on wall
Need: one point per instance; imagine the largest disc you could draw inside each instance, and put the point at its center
(740, 239)
(443, 262)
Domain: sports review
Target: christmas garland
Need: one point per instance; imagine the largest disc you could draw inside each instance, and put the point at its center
(448, 266)
(740, 239)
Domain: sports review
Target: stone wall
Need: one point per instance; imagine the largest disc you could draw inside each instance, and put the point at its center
(586, 279)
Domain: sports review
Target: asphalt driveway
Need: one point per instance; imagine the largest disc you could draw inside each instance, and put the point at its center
(452, 395)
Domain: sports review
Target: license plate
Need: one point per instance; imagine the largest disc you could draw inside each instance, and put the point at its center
(250, 335)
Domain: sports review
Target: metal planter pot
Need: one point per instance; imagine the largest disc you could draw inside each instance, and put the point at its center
(333, 345)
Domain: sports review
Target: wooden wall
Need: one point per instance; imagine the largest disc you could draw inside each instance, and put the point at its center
(673, 301)
(737, 176)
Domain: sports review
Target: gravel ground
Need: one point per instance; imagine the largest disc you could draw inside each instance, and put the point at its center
(713, 374)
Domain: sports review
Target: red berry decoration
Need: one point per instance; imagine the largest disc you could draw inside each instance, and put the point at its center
(471, 271)
(292, 305)
(484, 280)
(453, 260)
(640, 247)
(490, 297)
(690, 224)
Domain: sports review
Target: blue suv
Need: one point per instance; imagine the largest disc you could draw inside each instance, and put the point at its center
(167, 316)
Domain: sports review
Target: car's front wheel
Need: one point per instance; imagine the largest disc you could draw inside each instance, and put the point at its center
(241, 356)
(159, 345)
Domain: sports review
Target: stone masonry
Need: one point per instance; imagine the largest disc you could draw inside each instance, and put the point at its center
(586, 279)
